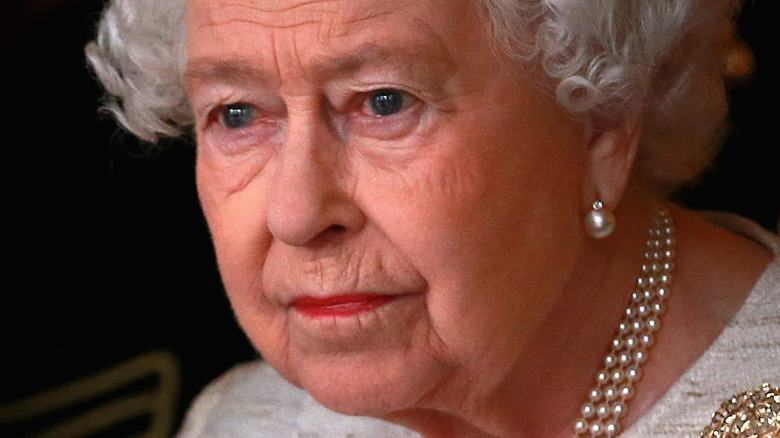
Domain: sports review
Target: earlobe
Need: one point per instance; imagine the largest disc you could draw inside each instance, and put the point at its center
(610, 157)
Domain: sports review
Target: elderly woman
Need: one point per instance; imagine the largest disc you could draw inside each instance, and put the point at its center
(450, 215)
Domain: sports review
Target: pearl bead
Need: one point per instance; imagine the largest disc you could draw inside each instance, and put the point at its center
(599, 223)
(611, 393)
(588, 410)
(610, 361)
(618, 410)
(633, 374)
(603, 412)
(595, 395)
(602, 378)
(653, 324)
(611, 428)
(627, 392)
(640, 357)
(581, 426)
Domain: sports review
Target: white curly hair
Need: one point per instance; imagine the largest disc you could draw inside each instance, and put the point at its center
(661, 61)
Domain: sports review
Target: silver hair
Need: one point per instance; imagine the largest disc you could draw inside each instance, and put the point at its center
(139, 55)
(660, 61)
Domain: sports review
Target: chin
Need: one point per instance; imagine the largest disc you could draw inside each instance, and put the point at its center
(375, 384)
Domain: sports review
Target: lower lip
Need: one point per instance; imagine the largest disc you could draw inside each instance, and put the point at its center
(340, 305)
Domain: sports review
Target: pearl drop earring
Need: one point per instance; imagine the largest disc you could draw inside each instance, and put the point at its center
(599, 222)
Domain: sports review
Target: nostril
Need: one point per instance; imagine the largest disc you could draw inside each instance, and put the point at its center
(337, 229)
(329, 236)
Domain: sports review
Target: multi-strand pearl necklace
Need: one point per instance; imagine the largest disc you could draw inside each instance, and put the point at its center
(608, 401)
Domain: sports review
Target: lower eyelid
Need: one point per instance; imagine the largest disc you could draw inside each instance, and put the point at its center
(231, 141)
(390, 127)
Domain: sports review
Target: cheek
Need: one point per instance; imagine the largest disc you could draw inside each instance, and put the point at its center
(481, 219)
(236, 218)
(237, 223)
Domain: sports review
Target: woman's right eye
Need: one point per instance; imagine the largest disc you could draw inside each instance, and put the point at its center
(237, 115)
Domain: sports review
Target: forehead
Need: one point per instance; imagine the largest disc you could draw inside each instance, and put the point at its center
(303, 32)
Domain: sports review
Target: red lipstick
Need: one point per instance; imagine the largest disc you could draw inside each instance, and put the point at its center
(340, 305)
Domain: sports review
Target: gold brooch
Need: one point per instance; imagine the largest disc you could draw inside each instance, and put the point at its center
(750, 414)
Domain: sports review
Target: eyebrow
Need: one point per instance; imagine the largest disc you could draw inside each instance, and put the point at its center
(406, 59)
(222, 70)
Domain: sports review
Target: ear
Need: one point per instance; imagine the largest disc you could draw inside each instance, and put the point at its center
(611, 154)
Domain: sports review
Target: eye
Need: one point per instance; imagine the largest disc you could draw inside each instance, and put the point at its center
(386, 102)
(237, 115)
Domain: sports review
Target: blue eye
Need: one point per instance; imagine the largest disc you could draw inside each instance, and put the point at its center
(386, 102)
(239, 115)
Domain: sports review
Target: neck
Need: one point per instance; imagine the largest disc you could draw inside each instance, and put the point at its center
(574, 340)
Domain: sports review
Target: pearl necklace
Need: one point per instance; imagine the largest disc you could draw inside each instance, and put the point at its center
(608, 401)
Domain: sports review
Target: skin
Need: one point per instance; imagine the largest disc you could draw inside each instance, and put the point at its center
(466, 205)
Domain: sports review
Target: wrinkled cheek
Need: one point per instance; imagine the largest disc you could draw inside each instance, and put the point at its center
(236, 221)
(241, 247)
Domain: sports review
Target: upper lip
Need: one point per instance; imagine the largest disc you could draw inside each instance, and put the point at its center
(323, 298)
(287, 291)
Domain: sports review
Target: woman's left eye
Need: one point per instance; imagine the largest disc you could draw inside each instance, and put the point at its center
(386, 102)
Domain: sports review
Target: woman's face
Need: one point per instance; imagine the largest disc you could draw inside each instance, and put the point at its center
(395, 208)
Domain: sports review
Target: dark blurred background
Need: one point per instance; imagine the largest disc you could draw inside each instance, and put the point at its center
(107, 256)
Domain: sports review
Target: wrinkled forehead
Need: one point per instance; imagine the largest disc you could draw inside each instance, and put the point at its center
(237, 28)
(281, 14)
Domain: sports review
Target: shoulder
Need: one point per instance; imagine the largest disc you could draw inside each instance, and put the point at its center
(744, 355)
(253, 401)
(249, 397)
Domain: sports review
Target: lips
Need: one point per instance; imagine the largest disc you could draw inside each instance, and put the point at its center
(340, 305)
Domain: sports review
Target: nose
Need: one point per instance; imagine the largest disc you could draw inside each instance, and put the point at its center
(310, 197)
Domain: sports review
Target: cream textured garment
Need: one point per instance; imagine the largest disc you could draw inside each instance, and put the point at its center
(253, 401)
